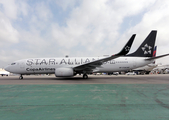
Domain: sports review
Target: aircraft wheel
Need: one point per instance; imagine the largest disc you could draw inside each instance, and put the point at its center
(85, 76)
(21, 77)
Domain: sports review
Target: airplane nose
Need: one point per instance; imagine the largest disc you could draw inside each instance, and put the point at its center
(7, 68)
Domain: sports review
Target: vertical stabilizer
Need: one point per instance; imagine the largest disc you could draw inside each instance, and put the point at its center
(147, 47)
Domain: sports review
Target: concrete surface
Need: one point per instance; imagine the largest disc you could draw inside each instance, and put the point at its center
(93, 79)
(100, 97)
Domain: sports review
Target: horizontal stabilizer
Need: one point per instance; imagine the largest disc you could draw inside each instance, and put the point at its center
(153, 58)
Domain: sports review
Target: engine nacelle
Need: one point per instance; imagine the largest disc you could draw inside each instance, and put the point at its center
(64, 72)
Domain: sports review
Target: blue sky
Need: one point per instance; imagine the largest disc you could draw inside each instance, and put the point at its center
(55, 28)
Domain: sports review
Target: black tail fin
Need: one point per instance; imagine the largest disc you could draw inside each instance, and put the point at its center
(127, 47)
(146, 48)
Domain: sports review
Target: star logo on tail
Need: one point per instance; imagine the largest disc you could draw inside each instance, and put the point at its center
(127, 48)
(147, 49)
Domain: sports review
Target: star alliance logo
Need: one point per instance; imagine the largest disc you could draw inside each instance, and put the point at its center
(127, 48)
(146, 49)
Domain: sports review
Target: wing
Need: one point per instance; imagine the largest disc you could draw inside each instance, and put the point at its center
(97, 63)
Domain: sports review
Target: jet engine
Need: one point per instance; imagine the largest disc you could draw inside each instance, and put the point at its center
(64, 72)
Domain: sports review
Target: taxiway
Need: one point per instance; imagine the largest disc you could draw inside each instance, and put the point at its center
(93, 79)
(122, 97)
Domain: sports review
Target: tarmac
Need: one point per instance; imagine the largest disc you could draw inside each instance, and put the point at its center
(122, 97)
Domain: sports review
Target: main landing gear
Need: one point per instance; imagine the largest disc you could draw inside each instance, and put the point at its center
(21, 77)
(85, 76)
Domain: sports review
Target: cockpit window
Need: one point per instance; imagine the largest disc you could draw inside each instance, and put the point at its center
(13, 63)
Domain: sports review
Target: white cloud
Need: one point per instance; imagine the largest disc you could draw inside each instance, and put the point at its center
(9, 8)
(130, 7)
(8, 34)
(87, 25)
(154, 19)
(66, 3)
(92, 28)
(8, 14)
(22, 8)
(96, 22)
(34, 41)
(43, 12)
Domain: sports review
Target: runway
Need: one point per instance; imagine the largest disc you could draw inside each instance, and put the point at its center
(122, 97)
(93, 79)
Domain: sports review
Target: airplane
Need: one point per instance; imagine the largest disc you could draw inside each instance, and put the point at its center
(161, 68)
(69, 67)
(65, 67)
(3, 72)
(148, 68)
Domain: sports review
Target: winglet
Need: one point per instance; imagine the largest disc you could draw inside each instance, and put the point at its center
(127, 47)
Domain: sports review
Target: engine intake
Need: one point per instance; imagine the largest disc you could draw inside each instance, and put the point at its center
(64, 72)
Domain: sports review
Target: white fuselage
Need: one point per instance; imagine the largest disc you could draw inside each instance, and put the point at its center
(48, 65)
(148, 67)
